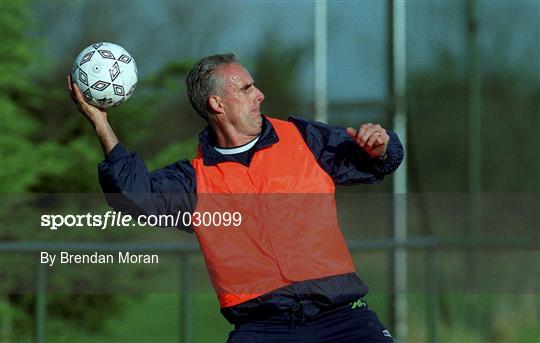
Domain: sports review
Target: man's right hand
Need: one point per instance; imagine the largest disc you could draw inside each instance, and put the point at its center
(92, 113)
(96, 116)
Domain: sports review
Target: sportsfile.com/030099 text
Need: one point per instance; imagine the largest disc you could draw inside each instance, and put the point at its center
(118, 219)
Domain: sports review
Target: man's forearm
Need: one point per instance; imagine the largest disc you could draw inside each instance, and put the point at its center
(106, 136)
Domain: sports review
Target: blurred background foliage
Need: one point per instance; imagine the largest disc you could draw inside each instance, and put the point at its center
(47, 147)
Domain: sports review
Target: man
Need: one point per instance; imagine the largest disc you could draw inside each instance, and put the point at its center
(286, 273)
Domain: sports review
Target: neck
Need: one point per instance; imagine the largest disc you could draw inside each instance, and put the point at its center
(227, 136)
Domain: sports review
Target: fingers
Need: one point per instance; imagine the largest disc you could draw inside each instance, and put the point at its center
(366, 131)
(73, 89)
(369, 133)
(69, 83)
(70, 88)
(352, 132)
(371, 137)
(374, 140)
(78, 95)
(367, 136)
(362, 131)
(75, 92)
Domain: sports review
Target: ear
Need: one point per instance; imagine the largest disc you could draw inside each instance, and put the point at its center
(215, 104)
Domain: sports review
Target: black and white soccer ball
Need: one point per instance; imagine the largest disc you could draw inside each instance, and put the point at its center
(105, 73)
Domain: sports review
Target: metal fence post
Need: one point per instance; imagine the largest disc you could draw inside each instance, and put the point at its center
(397, 89)
(41, 301)
(320, 32)
(186, 303)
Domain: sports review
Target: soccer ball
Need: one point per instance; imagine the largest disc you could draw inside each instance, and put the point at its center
(105, 73)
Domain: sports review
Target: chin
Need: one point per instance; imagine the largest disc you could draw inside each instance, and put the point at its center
(257, 130)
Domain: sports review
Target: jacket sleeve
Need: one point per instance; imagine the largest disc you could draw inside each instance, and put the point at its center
(130, 188)
(342, 158)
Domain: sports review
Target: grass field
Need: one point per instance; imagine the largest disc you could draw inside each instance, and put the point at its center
(506, 309)
(508, 314)
(155, 318)
(150, 318)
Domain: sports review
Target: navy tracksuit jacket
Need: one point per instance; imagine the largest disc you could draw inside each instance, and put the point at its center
(173, 188)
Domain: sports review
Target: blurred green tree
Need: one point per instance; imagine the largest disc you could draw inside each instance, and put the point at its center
(17, 95)
(47, 147)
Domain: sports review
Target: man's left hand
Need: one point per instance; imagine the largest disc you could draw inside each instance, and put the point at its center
(372, 138)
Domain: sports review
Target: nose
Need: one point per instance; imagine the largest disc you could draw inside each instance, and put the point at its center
(259, 96)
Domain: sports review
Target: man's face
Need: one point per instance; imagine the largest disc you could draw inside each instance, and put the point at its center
(241, 100)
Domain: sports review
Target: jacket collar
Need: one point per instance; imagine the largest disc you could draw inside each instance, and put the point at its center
(211, 157)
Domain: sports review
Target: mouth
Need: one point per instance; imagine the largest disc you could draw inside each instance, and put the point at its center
(259, 118)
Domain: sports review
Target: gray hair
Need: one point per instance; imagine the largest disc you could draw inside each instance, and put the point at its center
(202, 81)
